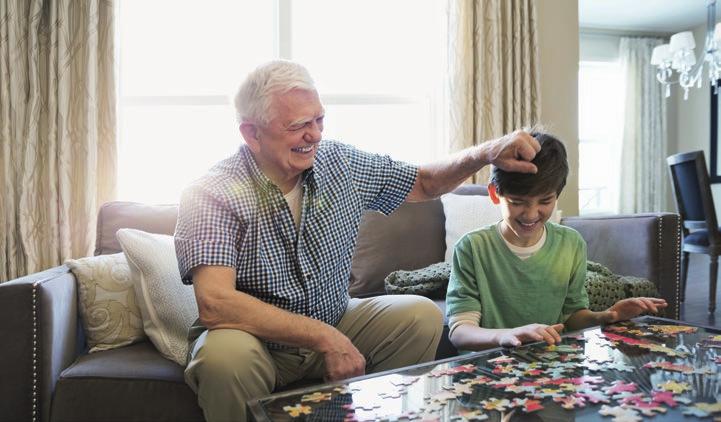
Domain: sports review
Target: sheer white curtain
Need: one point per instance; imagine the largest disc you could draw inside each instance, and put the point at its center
(57, 129)
(493, 63)
(643, 153)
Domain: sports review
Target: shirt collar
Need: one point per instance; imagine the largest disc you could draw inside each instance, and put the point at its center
(261, 180)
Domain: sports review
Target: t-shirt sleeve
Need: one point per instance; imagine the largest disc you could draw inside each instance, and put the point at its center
(206, 232)
(462, 294)
(382, 183)
(577, 298)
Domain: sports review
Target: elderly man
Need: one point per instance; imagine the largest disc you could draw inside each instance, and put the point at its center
(266, 238)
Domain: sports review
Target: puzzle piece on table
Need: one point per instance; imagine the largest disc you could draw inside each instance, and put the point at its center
(564, 348)
(674, 386)
(297, 410)
(368, 407)
(593, 367)
(620, 414)
(467, 368)
(711, 342)
(502, 359)
(443, 397)
(620, 387)
(694, 411)
(669, 366)
(316, 397)
(664, 397)
(620, 366)
(393, 395)
(594, 396)
(571, 402)
(459, 388)
(346, 389)
(469, 415)
(672, 329)
(477, 380)
(627, 397)
(405, 382)
(709, 407)
(646, 408)
(645, 345)
(528, 405)
(493, 403)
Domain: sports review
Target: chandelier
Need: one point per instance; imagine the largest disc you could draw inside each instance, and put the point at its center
(678, 55)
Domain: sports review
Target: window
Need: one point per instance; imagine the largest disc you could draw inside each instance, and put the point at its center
(600, 109)
(378, 66)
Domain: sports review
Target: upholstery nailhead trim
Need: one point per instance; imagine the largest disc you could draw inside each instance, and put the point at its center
(678, 265)
(35, 352)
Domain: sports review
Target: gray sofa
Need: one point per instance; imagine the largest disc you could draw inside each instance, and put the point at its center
(47, 374)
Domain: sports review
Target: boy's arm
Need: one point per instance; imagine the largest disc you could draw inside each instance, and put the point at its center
(620, 311)
(473, 337)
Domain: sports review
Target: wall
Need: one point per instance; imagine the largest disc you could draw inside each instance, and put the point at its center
(693, 130)
(557, 24)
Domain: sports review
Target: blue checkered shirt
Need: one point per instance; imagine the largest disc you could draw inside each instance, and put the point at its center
(235, 216)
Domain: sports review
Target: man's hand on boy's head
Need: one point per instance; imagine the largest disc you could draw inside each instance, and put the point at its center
(528, 333)
(630, 308)
(513, 152)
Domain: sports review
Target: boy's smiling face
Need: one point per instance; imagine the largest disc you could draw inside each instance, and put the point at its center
(524, 215)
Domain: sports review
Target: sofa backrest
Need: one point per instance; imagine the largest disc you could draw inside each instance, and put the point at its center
(412, 237)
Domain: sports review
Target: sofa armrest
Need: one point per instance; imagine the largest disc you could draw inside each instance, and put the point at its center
(641, 245)
(39, 322)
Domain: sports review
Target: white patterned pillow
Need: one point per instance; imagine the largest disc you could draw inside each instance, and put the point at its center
(465, 213)
(167, 305)
(106, 300)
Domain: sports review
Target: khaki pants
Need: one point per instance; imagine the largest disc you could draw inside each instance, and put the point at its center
(229, 367)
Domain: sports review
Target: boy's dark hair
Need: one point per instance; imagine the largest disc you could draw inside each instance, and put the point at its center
(552, 165)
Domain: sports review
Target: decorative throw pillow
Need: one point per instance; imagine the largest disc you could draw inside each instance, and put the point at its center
(167, 305)
(106, 301)
(465, 213)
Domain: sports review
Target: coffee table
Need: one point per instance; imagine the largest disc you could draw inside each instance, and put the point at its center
(647, 368)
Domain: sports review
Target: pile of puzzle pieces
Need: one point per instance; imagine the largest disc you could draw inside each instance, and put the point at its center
(529, 378)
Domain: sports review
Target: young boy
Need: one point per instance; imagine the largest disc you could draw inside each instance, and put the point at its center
(521, 279)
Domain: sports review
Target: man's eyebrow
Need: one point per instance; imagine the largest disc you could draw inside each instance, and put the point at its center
(304, 120)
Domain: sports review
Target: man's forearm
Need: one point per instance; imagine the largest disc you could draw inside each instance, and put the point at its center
(241, 311)
(443, 176)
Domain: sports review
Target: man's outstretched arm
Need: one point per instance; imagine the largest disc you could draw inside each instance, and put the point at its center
(511, 152)
(220, 305)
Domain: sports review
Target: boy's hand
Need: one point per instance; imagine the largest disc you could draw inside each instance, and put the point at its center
(531, 332)
(632, 307)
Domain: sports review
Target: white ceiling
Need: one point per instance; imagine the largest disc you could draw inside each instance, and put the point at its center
(659, 16)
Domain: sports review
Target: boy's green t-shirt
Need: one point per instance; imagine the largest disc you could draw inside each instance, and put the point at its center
(510, 292)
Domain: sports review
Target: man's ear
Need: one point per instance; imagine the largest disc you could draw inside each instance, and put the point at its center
(250, 134)
(493, 194)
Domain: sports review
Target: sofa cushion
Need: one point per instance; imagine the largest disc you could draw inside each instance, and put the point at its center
(409, 238)
(132, 215)
(168, 306)
(130, 383)
(106, 301)
(464, 213)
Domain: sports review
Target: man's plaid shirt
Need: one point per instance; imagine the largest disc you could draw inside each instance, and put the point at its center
(235, 216)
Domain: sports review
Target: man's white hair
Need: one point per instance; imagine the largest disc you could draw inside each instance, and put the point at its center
(254, 97)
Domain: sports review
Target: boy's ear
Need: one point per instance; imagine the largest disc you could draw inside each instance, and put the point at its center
(493, 194)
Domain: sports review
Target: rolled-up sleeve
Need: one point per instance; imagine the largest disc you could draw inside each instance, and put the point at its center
(206, 232)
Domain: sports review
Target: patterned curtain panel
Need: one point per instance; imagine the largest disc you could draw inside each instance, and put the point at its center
(57, 129)
(643, 155)
(494, 85)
